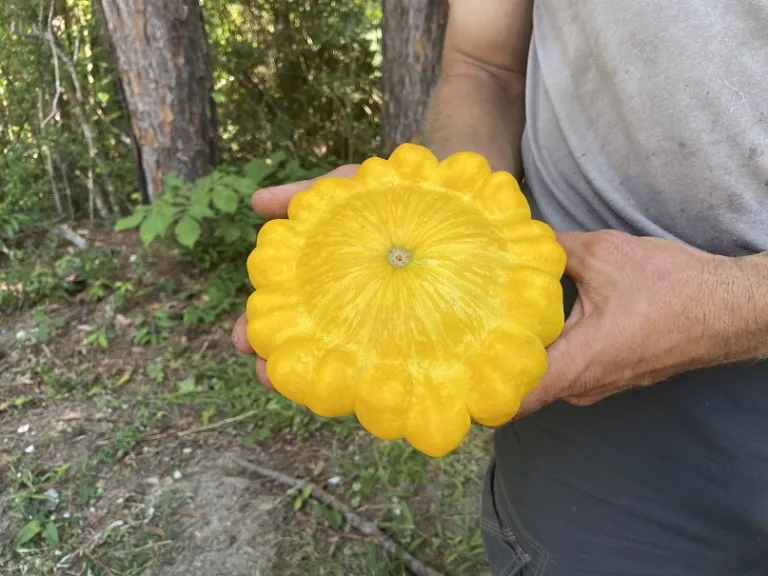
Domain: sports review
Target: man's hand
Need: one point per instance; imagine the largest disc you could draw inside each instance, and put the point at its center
(647, 309)
(273, 203)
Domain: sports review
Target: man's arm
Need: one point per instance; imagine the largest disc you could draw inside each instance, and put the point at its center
(742, 309)
(479, 102)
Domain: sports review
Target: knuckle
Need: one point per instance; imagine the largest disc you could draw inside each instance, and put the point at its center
(606, 242)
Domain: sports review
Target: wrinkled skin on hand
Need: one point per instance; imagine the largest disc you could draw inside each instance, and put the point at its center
(647, 309)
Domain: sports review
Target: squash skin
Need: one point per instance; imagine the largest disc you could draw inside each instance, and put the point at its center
(418, 295)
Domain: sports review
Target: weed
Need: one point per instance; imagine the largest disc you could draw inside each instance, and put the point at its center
(153, 328)
(46, 326)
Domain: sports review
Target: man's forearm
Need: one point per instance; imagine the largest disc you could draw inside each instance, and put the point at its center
(475, 110)
(742, 308)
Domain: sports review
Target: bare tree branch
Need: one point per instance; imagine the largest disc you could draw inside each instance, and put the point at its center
(67, 189)
(68, 234)
(47, 153)
(57, 95)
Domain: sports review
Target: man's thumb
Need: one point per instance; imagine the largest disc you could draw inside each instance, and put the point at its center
(272, 202)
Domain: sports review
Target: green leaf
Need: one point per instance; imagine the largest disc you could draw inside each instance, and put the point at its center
(187, 386)
(51, 534)
(200, 195)
(152, 227)
(231, 233)
(278, 157)
(27, 533)
(336, 518)
(200, 211)
(225, 199)
(257, 170)
(173, 182)
(219, 98)
(130, 221)
(187, 231)
(167, 213)
(243, 186)
(256, 435)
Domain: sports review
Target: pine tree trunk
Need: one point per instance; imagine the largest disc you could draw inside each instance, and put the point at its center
(165, 69)
(413, 34)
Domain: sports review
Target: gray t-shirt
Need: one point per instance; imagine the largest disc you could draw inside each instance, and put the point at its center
(652, 118)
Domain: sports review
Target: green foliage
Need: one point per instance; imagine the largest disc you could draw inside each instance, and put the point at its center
(221, 294)
(153, 328)
(33, 275)
(211, 220)
(34, 502)
(295, 77)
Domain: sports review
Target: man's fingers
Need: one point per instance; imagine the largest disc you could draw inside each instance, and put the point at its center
(261, 373)
(240, 340)
(577, 314)
(272, 202)
(568, 364)
(239, 336)
(548, 390)
(574, 245)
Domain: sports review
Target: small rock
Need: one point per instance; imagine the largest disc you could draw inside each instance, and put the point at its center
(52, 499)
(23, 429)
(176, 475)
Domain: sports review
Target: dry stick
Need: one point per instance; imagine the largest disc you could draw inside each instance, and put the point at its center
(367, 528)
(57, 74)
(70, 235)
(67, 189)
(47, 153)
(205, 428)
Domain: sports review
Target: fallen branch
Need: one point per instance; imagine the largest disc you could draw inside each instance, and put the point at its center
(57, 73)
(68, 234)
(367, 528)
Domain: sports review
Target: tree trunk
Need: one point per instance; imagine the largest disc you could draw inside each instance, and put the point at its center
(413, 34)
(165, 69)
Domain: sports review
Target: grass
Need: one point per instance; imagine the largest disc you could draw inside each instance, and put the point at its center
(121, 373)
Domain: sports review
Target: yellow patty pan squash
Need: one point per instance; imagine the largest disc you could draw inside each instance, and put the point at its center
(419, 295)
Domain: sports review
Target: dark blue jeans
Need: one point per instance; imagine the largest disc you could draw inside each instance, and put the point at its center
(668, 481)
